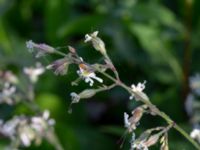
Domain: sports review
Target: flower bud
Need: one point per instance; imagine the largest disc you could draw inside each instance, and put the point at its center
(42, 49)
(60, 66)
(71, 49)
(88, 93)
(97, 43)
(152, 140)
(131, 122)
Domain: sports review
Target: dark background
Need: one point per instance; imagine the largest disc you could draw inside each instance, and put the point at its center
(152, 40)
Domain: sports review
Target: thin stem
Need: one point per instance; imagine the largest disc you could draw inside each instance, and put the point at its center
(156, 110)
(106, 88)
(113, 67)
(60, 53)
(150, 105)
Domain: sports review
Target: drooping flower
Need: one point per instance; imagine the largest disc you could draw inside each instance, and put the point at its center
(41, 49)
(88, 74)
(34, 73)
(60, 66)
(75, 97)
(131, 122)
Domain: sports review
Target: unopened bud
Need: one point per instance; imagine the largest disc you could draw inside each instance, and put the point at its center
(42, 49)
(71, 49)
(152, 140)
(137, 115)
(88, 93)
(60, 66)
(97, 43)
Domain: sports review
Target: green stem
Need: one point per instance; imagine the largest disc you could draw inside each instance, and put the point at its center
(106, 88)
(157, 111)
(150, 105)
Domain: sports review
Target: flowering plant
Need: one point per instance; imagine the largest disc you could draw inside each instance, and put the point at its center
(95, 74)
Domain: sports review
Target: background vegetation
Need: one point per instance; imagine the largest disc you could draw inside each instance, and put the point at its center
(152, 40)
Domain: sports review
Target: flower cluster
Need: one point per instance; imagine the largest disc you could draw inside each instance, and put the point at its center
(24, 130)
(150, 138)
(27, 129)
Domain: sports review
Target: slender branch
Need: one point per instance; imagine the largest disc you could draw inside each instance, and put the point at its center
(157, 111)
(150, 105)
(105, 88)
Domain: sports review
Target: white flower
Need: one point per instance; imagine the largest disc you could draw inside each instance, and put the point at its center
(89, 37)
(8, 128)
(126, 120)
(41, 49)
(195, 83)
(189, 104)
(75, 97)
(6, 96)
(97, 43)
(30, 45)
(46, 114)
(139, 146)
(41, 123)
(88, 75)
(26, 134)
(33, 73)
(138, 90)
(8, 90)
(195, 134)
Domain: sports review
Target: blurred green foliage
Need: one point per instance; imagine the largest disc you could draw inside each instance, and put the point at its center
(145, 39)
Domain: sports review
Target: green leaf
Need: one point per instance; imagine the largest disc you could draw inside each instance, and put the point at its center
(151, 40)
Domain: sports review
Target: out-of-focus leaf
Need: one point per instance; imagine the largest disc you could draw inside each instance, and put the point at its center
(76, 25)
(5, 44)
(153, 11)
(115, 130)
(151, 40)
(67, 136)
(56, 13)
(49, 101)
(99, 140)
(5, 5)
